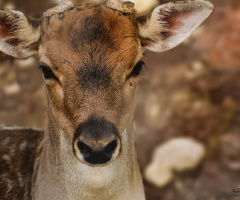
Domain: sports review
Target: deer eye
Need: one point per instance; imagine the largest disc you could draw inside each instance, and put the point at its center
(136, 70)
(47, 72)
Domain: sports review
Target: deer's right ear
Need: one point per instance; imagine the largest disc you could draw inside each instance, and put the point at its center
(170, 24)
(19, 35)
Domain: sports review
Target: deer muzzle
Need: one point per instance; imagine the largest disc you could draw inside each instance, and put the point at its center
(96, 141)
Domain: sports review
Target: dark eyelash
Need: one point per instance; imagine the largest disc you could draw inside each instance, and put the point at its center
(47, 72)
(137, 69)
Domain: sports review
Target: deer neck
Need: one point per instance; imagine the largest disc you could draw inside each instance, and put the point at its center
(60, 171)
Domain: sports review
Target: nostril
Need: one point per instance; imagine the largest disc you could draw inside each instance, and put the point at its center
(99, 155)
(85, 149)
(96, 141)
(110, 148)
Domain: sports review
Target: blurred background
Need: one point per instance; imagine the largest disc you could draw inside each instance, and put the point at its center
(187, 112)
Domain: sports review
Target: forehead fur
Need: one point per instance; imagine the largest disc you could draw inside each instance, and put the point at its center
(91, 33)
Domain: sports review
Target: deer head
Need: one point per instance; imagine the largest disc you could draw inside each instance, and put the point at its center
(91, 58)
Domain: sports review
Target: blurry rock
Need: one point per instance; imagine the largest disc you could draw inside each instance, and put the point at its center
(12, 89)
(158, 175)
(178, 154)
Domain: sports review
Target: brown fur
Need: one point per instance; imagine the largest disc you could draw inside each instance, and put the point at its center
(19, 150)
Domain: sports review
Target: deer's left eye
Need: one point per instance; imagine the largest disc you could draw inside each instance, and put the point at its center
(136, 70)
(47, 72)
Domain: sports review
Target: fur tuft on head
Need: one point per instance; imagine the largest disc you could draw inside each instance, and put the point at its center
(123, 6)
(59, 9)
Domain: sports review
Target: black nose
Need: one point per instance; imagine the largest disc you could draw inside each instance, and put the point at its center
(96, 141)
(97, 155)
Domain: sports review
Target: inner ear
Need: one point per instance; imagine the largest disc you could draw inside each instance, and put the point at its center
(170, 24)
(19, 35)
(7, 25)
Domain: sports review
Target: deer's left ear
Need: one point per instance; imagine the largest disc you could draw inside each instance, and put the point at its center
(19, 35)
(170, 24)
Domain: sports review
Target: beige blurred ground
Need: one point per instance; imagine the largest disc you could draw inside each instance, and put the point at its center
(192, 90)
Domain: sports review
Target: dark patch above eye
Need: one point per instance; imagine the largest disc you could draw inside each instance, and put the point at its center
(47, 72)
(136, 70)
(94, 76)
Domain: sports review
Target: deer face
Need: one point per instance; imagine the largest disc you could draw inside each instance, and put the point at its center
(91, 60)
(91, 75)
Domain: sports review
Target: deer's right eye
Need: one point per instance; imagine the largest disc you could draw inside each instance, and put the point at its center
(47, 72)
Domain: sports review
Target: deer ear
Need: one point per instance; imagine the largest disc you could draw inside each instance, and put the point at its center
(19, 35)
(170, 24)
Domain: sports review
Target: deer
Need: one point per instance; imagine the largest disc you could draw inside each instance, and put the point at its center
(91, 57)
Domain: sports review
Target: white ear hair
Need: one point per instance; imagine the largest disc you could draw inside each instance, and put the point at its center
(170, 24)
(27, 33)
(20, 34)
